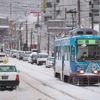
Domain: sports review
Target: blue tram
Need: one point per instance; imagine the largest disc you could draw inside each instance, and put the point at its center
(77, 57)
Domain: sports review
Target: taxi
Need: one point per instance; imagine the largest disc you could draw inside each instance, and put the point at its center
(9, 75)
(2, 56)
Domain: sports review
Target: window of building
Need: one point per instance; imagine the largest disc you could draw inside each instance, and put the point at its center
(49, 5)
(57, 1)
(47, 18)
(58, 12)
(95, 14)
(95, 10)
(96, 2)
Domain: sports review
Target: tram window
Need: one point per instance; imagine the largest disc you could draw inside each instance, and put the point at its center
(68, 49)
(72, 53)
(88, 32)
(58, 53)
(80, 32)
(65, 52)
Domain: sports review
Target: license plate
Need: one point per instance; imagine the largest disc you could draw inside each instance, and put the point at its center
(4, 77)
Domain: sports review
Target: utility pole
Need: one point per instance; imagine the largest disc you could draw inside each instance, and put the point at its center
(10, 42)
(78, 10)
(48, 42)
(99, 20)
(92, 15)
(54, 10)
(10, 10)
(72, 12)
(31, 38)
(38, 36)
(65, 12)
(26, 36)
(20, 34)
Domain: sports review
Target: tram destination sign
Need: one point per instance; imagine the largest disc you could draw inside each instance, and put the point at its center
(88, 41)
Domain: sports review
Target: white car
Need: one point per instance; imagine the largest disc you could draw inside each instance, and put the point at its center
(32, 58)
(9, 75)
(49, 62)
(25, 57)
(3, 56)
(42, 57)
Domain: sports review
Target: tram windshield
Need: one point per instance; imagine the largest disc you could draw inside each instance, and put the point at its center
(88, 49)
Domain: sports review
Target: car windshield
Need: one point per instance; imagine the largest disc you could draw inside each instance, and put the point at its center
(28, 52)
(51, 59)
(8, 69)
(26, 55)
(42, 56)
(2, 55)
(21, 52)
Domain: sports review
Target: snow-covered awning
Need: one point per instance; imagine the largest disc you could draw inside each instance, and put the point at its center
(4, 26)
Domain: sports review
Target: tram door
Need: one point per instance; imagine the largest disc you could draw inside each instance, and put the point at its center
(72, 59)
(66, 64)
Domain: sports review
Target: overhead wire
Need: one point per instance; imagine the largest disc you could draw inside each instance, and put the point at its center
(17, 6)
(18, 9)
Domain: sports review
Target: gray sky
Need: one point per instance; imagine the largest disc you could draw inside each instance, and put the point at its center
(16, 8)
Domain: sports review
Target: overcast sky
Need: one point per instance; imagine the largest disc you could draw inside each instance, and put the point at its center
(18, 8)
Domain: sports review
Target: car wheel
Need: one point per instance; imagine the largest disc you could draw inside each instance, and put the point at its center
(46, 66)
(31, 62)
(12, 88)
(38, 63)
(16, 88)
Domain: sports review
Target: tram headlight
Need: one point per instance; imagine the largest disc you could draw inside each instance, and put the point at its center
(80, 71)
(95, 72)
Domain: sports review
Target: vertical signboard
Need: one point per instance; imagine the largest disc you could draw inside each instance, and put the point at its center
(44, 6)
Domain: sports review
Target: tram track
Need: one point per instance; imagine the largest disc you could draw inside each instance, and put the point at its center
(47, 85)
(11, 95)
(37, 88)
(44, 84)
(92, 89)
(33, 68)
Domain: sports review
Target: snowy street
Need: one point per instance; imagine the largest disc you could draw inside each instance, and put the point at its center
(38, 83)
(49, 49)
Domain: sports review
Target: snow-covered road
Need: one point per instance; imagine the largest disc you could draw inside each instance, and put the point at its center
(42, 80)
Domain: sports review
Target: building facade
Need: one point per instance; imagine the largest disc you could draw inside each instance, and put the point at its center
(61, 16)
(83, 12)
(4, 30)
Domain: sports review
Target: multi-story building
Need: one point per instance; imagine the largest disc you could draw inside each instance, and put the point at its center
(4, 30)
(63, 15)
(96, 10)
(47, 8)
(80, 12)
